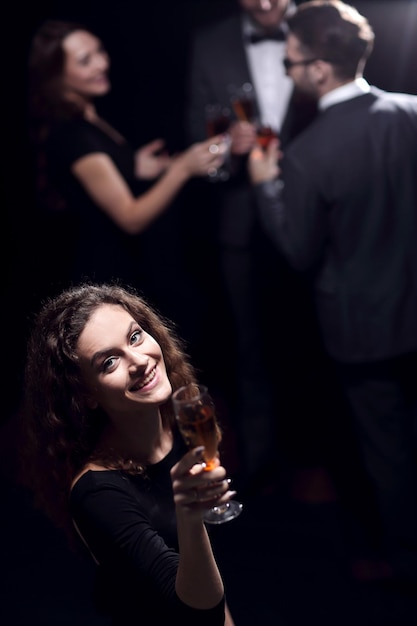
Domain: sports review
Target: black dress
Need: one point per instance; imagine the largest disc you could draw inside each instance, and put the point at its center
(100, 250)
(91, 246)
(129, 525)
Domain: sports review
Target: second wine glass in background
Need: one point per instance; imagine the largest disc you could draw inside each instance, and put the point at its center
(218, 120)
(264, 135)
(242, 100)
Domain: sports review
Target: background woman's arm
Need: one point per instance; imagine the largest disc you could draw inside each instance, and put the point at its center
(101, 179)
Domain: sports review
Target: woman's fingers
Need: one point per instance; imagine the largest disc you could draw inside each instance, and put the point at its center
(192, 484)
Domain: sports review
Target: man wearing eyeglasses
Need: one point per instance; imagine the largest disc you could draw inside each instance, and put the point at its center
(342, 207)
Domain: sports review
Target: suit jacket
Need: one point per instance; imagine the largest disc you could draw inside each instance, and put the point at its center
(217, 60)
(345, 212)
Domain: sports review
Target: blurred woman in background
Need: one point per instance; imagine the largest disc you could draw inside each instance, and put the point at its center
(83, 164)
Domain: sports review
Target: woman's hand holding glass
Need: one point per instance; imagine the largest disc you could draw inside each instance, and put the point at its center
(196, 418)
(195, 488)
(204, 157)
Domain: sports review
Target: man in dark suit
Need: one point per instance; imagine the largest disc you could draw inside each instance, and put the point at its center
(343, 209)
(241, 50)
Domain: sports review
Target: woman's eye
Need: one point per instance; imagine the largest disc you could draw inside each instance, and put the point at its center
(136, 336)
(84, 61)
(109, 363)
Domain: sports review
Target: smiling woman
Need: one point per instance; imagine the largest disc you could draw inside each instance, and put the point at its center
(106, 461)
(85, 166)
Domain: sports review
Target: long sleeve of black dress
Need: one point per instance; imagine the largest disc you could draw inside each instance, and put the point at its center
(128, 523)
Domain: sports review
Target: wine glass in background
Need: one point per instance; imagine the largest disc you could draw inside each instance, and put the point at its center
(242, 99)
(196, 417)
(218, 119)
(243, 103)
(264, 135)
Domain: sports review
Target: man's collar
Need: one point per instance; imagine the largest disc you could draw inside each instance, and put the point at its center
(357, 87)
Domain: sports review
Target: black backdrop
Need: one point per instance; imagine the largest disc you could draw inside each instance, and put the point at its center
(147, 42)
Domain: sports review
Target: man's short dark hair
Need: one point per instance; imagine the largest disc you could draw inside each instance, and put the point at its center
(335, 32)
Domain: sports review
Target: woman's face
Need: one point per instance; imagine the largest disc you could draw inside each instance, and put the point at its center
(123, 365)
(86, 65)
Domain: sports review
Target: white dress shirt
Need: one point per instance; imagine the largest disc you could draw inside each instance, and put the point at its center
(272, 86)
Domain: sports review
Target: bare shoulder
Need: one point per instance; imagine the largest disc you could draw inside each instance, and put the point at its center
(94, 467)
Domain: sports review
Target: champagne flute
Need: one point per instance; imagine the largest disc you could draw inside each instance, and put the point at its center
(243, 103)
(217, 122)
(196, 418)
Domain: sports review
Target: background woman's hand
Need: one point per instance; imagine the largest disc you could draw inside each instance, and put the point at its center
(151, 160)
(200, 158)
(196, 490)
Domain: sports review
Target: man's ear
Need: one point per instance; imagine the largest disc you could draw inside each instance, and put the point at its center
(321, 71)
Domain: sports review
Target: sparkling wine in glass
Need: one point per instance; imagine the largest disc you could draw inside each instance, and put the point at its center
(196, 417)
(243, 102)
(264, 135)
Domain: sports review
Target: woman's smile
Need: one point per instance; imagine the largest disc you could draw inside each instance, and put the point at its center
(148, 382)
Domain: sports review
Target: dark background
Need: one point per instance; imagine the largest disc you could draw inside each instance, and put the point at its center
(148, 46)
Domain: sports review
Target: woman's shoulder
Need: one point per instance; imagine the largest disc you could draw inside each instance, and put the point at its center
(73, 131)
(96, 475)
(89, 467)
(70, 139)
(93, 476)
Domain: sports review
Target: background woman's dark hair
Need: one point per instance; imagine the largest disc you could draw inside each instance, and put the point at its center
(335, 32)
(45, 102)
(59, 430)
(46, 62)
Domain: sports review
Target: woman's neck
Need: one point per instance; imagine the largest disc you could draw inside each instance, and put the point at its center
(90, 112)
(83, 103)
(91, 115)
(145, 441)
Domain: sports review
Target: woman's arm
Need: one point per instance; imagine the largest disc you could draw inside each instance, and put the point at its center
(199, 583)
(101, 179)
(229, 621)
(114, 523)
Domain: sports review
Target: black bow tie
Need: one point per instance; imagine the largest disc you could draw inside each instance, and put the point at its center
(275, 35)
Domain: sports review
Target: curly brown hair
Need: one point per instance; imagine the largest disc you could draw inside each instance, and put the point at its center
(59, 430)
